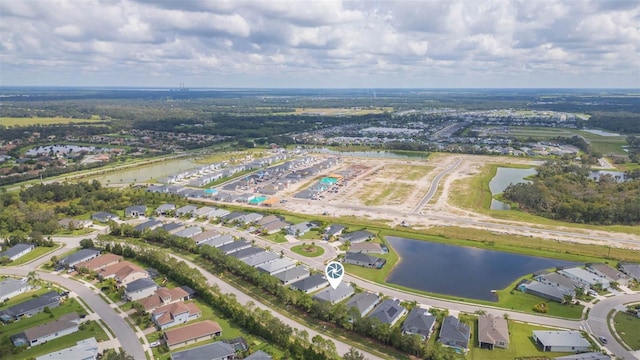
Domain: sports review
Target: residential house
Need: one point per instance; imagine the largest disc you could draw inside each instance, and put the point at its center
(454, 333)
(630, 269)
(86, 349)
(140, 289)
(274, 227)
(585, 277)
(189, 232)
(561, 341)
(333, 230)
(123, 272)
(174, 314)
(366, 248)
(585, 356)
(276, 266)
(215, 351)
(231, 217)
(609, 273)
(567, 284)
(493, 331)
(100, 262)
(310, 283)
(31, 306)
(364, 260)
(546, 291)
(10, 287)
(334, 296)
(248, 252)
(187, 210)
(301, 228)
(17, 251)
(268, 219)
(205, 236)
(172, 227)
(419, 322)
(73, 223)
(164, 296)
(251, 218)
(388, 312)
(191, 334)
(64, 325)
(218, 241)
(219, 213)
(164, 209)
(294, 274)
(234, 246)
(363, 302)
(135, 211)
(81, 255)
(104, 217)
(148, 225)
(261, 258)
(204, 212)
(357, 236)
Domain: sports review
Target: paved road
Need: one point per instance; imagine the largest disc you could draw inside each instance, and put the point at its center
(434, 186)
(597, 323)
(121, 329)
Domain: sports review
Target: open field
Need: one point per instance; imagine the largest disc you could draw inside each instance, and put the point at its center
(11, 121)
(627, 327)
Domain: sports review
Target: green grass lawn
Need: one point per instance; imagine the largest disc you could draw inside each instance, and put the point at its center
(277, 237)
(311, 235)
(76, 232)
(521, 344)
(308, 250)
(27, 121)
(68, 306)
(36, 253)
(22, 297)
(628, 327)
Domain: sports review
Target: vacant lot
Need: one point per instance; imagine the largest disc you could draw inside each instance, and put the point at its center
(396, 171)
(9, 121)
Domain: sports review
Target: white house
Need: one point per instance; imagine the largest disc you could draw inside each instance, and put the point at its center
(10, 287)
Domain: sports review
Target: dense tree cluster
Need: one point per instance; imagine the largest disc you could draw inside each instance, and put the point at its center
(623, 122)
(564, 191)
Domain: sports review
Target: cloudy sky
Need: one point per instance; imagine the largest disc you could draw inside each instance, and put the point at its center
(360, 44)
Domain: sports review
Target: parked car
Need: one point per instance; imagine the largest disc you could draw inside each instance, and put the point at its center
(602, 339)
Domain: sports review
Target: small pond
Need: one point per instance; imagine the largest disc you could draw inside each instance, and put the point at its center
(505, 177)
(460, 271)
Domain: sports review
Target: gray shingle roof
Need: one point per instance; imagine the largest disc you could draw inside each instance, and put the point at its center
(419, 321)
(561, 338)
(234, 246)
(454, 333)
(78, 257)
(293, 273)
(259, 355)
(9, 285)
(362, 301)
(260, 258)
(140, 284)
(43, 300)
(216, 350)
(311, 282)
(245, 253)
(343, 291)
(388, 311)
(15, 250)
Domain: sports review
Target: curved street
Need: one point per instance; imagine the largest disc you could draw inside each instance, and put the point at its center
(597, 323)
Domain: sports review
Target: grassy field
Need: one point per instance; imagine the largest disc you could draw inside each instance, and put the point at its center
(36, 253)
(12, 121)
(92, 329)
(337, 111)
(521, 344)
(308, 250)
(403, 172)
(473, 193)
(628, 327)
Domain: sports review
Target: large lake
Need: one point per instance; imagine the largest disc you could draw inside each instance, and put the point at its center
(505, 177)
(460, 271)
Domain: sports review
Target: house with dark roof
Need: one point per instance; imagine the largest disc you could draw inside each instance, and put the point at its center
(366, 248)
(215, 351)
(17, 251)
(292, 275)
(172, 227)
(454, 333)
(545, 291)
(609, 273)
(234, 246)
(104, 217)
(191, 334)
(187, 210)
(259, 355)
(419, 322)
(10, 287)
(175, 314)
(357, 236)
(231, 217)
(248, 252)
(561, 341)
(363, 302)
(333, 230)
(140, 289)
(493, 331)
(135, 211)
(64, 325)
(567, 284)
(630, 269)
(164, 209)
(77, 257)
(260, 258)
(334, 296)
(148, 225)
(364, 260)
(310, 284)
(276, 266)
(31, 306)
(585, 356)
(388, 312)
